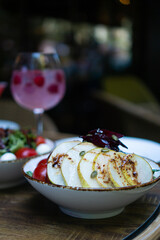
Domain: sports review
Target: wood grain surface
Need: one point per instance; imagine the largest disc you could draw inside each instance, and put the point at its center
(152, 232)
(25, 214)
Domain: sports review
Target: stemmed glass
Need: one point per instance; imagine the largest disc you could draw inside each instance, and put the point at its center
(38, 83)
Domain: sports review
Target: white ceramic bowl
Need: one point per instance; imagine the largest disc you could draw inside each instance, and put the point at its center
(87, 203)
(9, 124)
(11, 171)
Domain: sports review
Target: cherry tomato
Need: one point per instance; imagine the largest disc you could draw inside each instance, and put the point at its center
(42, 162)
(25, 152)
(40, 172)
(40, 140)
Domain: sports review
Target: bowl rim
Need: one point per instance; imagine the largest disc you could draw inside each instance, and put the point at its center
(87, 189)
(18, 160)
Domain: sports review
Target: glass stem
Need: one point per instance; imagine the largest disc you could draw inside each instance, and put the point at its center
(38, 112)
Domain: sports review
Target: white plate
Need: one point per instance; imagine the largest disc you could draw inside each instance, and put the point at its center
(9, 124)
(143, 147)
(57, 142)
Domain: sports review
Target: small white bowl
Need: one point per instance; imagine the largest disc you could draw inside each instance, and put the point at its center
(11, 171)
(9, 124)
(84, 202)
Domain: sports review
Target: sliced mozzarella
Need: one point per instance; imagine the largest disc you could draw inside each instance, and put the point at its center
(87, 175)
(70, 163)
(8, 156)
(43, 148)
(55, 160)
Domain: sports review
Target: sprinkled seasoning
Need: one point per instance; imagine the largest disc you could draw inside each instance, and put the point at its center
(82, 153)
(115, 137)
(105, 150)
(94, 174)
(135, 174)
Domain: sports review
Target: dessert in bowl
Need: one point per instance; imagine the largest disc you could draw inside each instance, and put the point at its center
(16, 147)
(90, 178)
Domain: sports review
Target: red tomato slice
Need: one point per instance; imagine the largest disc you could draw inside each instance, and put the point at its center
(40, 140)
(25, 152)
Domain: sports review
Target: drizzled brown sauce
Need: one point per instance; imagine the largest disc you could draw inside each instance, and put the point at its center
(56, 161)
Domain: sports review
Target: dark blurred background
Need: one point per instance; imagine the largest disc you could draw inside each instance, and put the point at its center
(96, 40)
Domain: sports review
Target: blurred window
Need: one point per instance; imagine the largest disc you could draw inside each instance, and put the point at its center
(81, 43)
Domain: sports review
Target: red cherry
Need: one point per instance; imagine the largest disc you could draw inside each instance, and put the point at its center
(39, 81)
(59, 76)
(53, 88)
(16, 80)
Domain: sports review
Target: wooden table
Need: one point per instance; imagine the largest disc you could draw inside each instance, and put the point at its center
(26, 214)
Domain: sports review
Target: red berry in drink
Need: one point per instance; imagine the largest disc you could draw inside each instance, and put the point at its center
(16, 80)
(39, 81)
(53, 88)
(59, 76)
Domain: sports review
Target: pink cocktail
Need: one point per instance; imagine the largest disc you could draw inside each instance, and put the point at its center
(38, 83)
(36, 89)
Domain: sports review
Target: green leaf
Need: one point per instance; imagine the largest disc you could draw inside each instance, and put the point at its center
(155, 170)
(29, 173)
(33, 145)
(16, 140)
(2, 151)
(18, 143)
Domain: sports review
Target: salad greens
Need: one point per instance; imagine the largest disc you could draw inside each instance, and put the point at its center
(12, 140)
